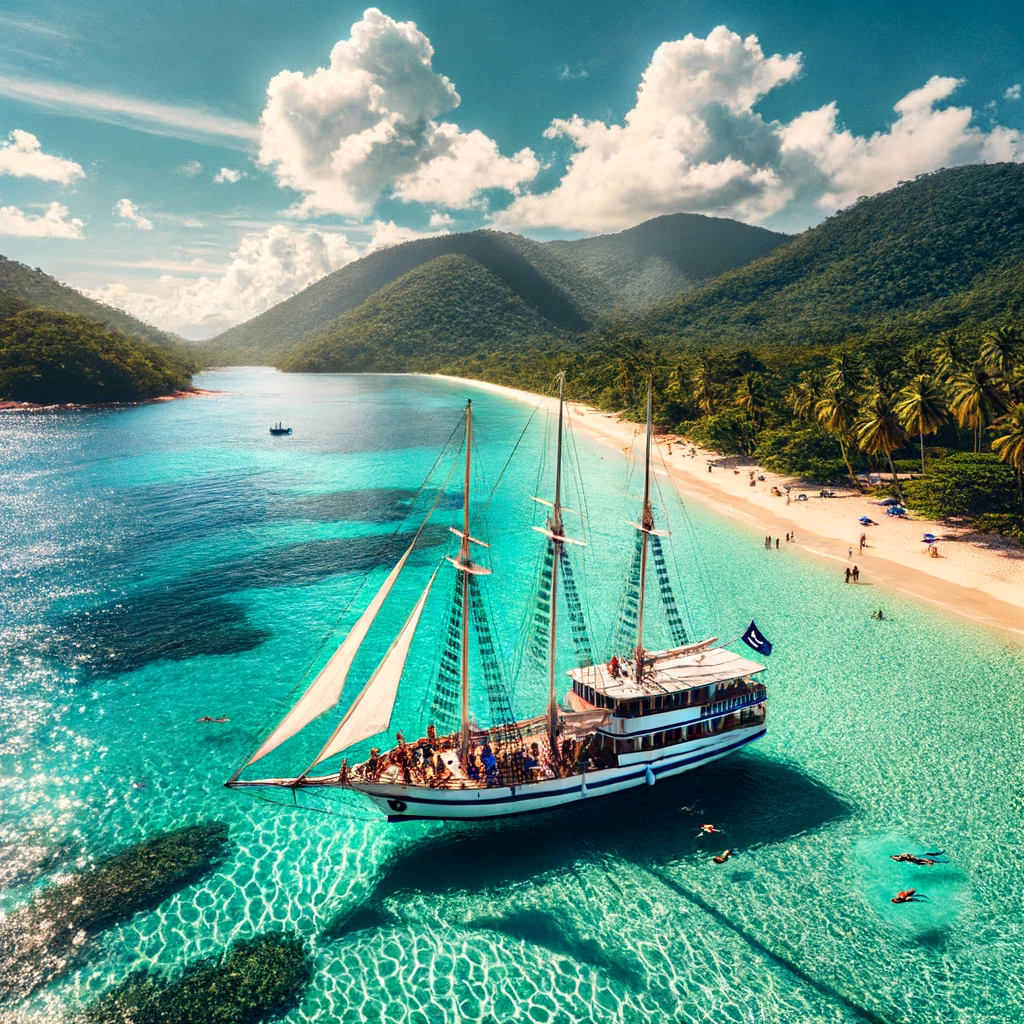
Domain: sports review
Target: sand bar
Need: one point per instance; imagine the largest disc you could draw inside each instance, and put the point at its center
(979, 576)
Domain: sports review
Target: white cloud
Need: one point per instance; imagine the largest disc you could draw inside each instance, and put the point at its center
(365, 126)
(1013, 93)
(229, 176)
(268, 267)
(922, 138)
(191, 168)
(695, 142)
(191, 222)
(127, 210)
(439, 220)
(54, 223)
(569, 73)
(23, 157)
(144, 115)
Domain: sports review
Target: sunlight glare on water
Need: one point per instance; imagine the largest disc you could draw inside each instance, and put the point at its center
(171, 561)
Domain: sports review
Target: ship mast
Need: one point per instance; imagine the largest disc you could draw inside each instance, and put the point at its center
(557, 539)
(465, 563)
(646, 525)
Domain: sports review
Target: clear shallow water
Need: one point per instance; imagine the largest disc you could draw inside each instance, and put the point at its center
(170, 561)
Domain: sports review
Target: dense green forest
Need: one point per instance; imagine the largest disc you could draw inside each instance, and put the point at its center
(943, 251)
(55, 358)
(40, 291)
(571, 286)
(450, 308)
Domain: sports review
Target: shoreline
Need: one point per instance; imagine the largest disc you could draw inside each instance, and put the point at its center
(34, 407)
(977, 576)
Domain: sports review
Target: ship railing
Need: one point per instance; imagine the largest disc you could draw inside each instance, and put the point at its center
(720, 707)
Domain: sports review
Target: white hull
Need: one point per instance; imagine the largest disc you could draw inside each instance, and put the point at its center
(409, 803)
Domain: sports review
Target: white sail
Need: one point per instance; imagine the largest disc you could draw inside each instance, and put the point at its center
(325, 691)
(370, 712)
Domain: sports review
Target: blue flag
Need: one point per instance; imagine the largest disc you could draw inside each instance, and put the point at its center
(755, 639)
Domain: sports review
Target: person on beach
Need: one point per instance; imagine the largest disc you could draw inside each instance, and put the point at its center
(776, 543)
(856, 574)
(849, 573)
(792, 538)
(863, 541)
(849, 553)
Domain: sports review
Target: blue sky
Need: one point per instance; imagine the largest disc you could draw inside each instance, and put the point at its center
(152, 167)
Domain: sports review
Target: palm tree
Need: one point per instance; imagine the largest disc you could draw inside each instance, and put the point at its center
(704, 387)
(752, 395)
(1000, 350)
(802, 398)
(879, 430)
(1010, 447)
(921, 408)
(978, 398)
(845, 374)
(949, 354)
(836, 411)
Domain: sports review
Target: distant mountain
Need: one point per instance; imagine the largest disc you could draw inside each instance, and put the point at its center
(571, 286)
(450, 308)
(36, 289)
(943, 251)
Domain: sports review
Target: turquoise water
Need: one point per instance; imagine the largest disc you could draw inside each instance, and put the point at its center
(173, 560)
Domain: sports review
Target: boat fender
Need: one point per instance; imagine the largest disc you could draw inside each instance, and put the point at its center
(650, 776)
(397, 805)
(583, 786)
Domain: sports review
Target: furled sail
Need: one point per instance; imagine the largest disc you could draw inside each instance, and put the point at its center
(325, 691)
(370, 712)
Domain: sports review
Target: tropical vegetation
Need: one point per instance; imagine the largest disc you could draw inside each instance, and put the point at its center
(51, 358)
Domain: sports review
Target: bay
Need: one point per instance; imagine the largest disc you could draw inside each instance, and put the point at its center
(170, 561)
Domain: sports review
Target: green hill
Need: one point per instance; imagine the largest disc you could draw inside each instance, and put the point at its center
(573, 286)
(450, 308)
(39, 290)
(55, 358)
(945, 250)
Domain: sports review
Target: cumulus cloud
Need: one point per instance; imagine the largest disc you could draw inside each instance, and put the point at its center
(695, 142)
(922, 138)
(1013, 93)
(439, 220)
(54, 223)
(128, 211)
(22, 156)
(267, 267)
(366, 126)
(227, 175)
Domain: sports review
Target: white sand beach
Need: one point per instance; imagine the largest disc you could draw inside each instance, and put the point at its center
(980, 576)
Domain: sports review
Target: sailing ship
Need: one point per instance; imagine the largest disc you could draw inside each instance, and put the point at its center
(278, 429)
(632, 720)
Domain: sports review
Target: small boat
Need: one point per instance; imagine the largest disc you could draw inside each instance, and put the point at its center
(277, 429)
(630, 720)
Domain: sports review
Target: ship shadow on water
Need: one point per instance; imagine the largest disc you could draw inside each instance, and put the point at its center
(755, 801)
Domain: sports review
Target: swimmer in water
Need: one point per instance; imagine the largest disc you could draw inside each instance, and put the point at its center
(908, 896)
(926, 860)
(210, 718)
(722, 858)
(708, 830)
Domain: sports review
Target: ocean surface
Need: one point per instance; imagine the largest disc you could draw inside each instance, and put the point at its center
(170, 561)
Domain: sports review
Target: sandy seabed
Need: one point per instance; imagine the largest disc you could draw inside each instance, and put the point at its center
(980, 576)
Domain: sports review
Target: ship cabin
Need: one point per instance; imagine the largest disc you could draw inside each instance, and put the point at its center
(684, 694)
